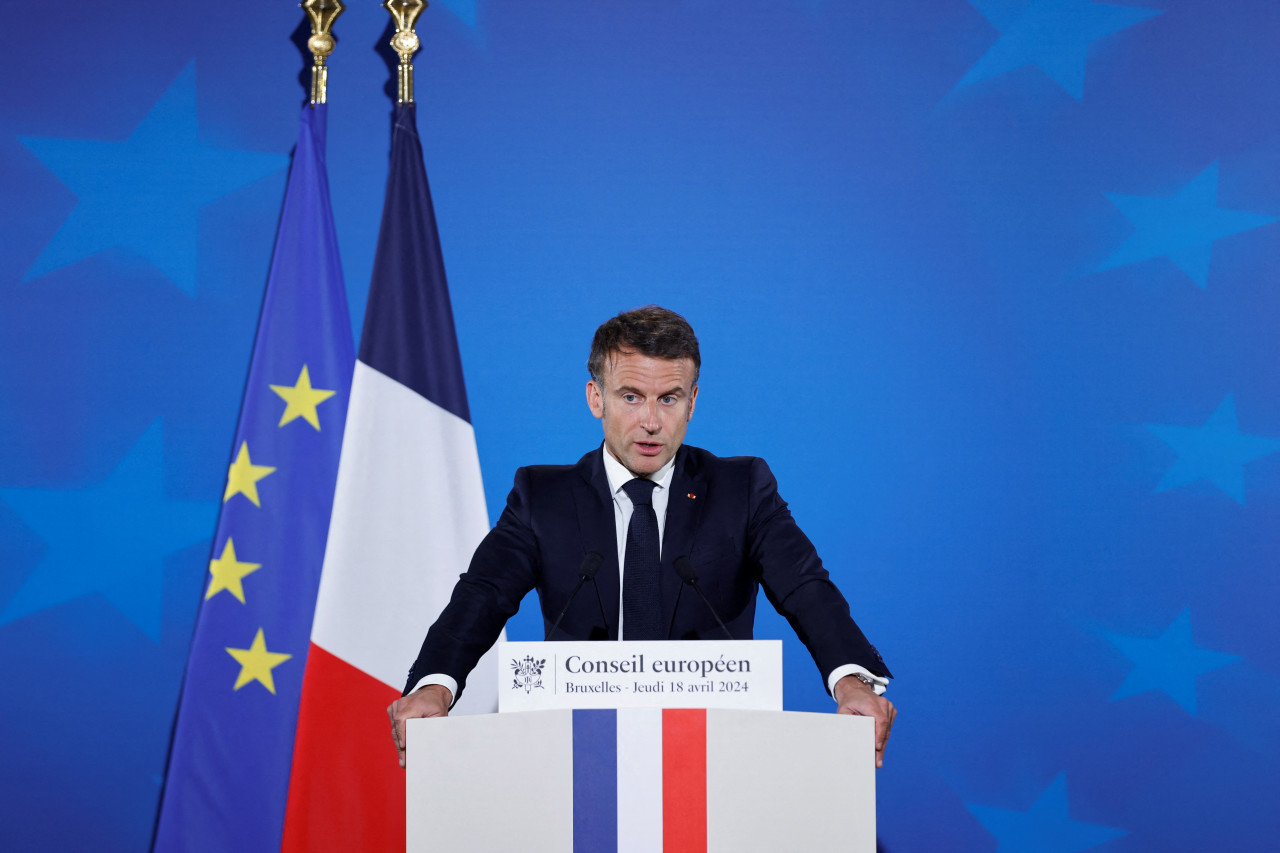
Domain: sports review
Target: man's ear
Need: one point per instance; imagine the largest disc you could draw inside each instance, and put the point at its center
(693, 398)
(595, 398)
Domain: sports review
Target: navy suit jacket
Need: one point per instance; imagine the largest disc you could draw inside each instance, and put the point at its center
(724, 514)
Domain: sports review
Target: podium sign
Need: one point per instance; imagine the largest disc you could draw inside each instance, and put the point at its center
(540, 676)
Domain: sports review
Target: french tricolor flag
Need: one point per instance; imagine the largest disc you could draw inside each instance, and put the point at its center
(642, 780)
(408, 512)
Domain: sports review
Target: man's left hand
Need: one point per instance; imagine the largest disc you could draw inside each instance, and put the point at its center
(854, 696)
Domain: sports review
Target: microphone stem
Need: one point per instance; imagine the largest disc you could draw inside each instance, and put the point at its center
(556, 624)
(600, 602)
(694, 583)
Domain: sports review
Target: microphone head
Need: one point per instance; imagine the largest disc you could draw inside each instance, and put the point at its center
(590, 565)
(684, 568)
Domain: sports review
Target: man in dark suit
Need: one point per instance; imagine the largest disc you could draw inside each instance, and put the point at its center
(724, 516)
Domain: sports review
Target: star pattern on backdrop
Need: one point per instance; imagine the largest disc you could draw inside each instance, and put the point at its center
(144, 194)
(1052, 35)
(1169, 663)
(1182, 228)
(301, 400)
(228, 573)
(243, 476)
(96, 540)
(464, 9)
(1216, 452)
(1046, 827)
(256, 663)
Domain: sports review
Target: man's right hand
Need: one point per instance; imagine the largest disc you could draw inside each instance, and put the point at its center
(433, 700)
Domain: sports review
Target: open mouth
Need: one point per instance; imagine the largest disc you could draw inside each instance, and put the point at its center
(649, 448)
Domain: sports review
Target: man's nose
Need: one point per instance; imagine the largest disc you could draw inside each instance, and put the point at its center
(649, 417)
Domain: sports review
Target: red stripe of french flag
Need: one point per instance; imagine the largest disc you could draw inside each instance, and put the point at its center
(684, 780)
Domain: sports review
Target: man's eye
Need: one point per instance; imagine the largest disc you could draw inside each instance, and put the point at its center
(669, 399)
(630, 398)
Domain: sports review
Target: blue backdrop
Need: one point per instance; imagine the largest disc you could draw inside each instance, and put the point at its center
(990, 283)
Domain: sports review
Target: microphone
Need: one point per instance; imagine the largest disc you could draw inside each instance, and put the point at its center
(586, 572)
(684, 568)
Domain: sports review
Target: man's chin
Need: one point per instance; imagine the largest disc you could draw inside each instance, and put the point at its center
(643, 466)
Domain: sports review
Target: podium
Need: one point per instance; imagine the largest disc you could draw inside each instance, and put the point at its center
(646, 778)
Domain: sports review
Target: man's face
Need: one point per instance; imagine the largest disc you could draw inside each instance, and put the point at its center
(645, 404)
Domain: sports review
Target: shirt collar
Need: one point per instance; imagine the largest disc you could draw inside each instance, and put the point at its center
(619, 475)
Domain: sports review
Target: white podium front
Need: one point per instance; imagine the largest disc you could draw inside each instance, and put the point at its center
(641, 779)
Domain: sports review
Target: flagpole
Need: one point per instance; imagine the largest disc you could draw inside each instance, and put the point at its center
(322, 42)
(405, 42)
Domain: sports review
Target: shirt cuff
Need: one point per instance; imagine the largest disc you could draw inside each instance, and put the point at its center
(878, 684)
(445, 681)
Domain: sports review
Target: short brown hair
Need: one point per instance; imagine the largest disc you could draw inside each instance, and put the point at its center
(652, 331)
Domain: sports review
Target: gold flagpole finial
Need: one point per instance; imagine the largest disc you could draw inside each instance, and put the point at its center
(405, 42)
(322, 42)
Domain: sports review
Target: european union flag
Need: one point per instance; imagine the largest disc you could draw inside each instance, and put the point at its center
(228, 772)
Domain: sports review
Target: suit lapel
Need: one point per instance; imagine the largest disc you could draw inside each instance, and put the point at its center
(684, 508)
(598, 531)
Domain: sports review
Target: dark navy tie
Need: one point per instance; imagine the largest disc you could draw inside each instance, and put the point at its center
(641, 611)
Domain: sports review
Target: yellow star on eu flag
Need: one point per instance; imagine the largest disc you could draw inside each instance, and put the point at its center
(228, 572)
(256, 663)
(243, 477)
(301, 400)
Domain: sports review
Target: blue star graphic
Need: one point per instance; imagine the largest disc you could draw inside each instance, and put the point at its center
(464, 9)
(1181, 228)
(110, 538)
(1053, 35)
(144, 194)
(1169, 663)
(1045, 827)
(1216, 452)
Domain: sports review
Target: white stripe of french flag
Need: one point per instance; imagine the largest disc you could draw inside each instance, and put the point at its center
(640, 780)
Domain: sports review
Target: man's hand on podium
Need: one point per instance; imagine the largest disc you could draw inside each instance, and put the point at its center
(856, 697)
(433, 700)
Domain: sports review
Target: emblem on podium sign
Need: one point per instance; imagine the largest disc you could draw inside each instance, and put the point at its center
(528, 673)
